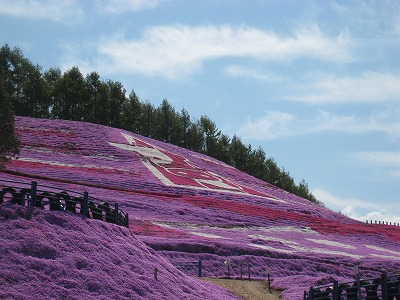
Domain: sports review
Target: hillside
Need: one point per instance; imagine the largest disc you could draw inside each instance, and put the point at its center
(51, 255)
(189, 207)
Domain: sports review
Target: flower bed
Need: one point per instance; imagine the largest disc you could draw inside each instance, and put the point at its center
(49, 255)
(188, 206)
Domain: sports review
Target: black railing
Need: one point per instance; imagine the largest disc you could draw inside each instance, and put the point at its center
(51, 198)
(382, 223)
(386, 287)
(188, 266)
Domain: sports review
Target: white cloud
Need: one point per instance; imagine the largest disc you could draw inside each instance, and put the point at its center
(373, 18)
(379, 158)
(276, 124)
(71, 56)
(390, 161)
(257, 74)
(71, 11)
(124, 6)
(54, 10)
(178, 51)
(381, 215)
(368, 87)
(337, 203)
(356, 208)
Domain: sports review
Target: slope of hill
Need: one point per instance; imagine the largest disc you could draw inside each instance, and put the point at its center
(187, 206)
(50, 255)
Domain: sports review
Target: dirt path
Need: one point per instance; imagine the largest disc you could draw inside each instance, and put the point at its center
(248, 290)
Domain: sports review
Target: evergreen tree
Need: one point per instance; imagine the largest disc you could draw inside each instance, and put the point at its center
(23, 82)
(185, 126)
(303, 191)
(131, 113)
(103, 105)
(238, 154)
(52, 80)
(9, 145)
(164, 116)
(286, 182)
(116, 102)
(72, 89)
(273, 171)
(36, 99)
(92, 82)
(195, 137)
(210, 135)
(222, 148)
(256, 164)
(147, 119)
(168, 126)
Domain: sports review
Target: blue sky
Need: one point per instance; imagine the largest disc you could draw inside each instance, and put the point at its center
(316, 84)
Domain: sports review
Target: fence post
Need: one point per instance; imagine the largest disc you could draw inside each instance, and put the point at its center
(358, 286)
(248, 269)
(269, 283)
(200, 266)
(335, 290)
(116, 212)
(228, 264)
(384, 286)
(85, 204)
(310, 294)
(33, 193)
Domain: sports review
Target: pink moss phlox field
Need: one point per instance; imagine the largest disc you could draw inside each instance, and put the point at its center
(189, 207)
(53, 255)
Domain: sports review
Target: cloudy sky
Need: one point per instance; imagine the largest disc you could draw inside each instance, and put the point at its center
(316, 84)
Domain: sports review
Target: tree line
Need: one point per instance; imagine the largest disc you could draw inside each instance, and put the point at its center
(70, 95)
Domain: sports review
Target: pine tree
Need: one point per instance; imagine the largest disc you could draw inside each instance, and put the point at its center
(9, 141)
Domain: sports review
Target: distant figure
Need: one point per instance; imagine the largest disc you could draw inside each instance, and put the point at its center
(155, 273)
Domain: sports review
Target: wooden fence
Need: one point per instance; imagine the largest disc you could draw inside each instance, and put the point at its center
(51, 198)
(235, 269)
(382, 223)
(190, 267)
(386, 287)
